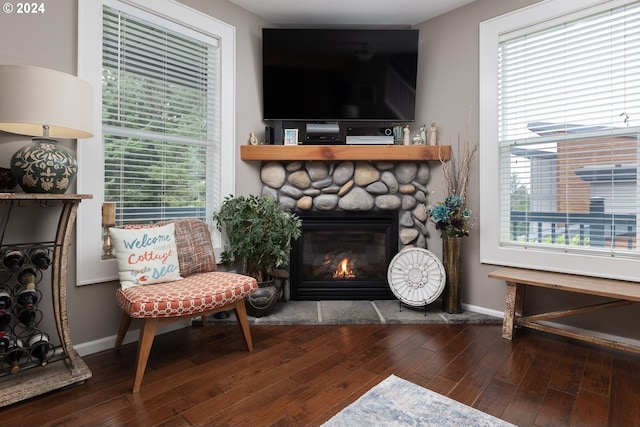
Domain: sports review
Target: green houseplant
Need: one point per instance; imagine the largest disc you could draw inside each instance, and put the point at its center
(259, 232)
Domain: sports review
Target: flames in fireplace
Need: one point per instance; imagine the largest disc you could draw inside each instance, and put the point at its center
(345, 270)
(345, 265)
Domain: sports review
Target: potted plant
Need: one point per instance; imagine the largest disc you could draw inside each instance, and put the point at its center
(259, 232)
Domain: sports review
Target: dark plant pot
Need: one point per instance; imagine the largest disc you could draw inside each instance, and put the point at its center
(263, 300)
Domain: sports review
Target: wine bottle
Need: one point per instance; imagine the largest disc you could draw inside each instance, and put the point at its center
(27, 317)
(5, 322)
(4, 342)
(5, 300)
(13, 259)
(40, 257)
(5, 304)
(40, 349)
(27, 297)
(5, 315)
(27, 277)
(15, 354)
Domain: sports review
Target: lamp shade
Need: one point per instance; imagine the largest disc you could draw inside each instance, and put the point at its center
(33, 97)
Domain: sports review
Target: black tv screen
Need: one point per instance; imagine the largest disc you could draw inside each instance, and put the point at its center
(326, 75)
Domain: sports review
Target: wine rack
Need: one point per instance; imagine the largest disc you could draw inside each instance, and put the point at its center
(34, 361)
(23, 345)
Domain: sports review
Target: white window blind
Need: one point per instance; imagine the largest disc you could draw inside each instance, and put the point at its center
(161, 124)
(568, 124)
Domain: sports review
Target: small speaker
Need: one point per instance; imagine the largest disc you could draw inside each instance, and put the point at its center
(268, 135)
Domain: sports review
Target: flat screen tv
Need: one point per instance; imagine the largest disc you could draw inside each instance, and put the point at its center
(339, 75)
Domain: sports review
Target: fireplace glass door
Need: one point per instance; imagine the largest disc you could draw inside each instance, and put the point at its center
(344, 256)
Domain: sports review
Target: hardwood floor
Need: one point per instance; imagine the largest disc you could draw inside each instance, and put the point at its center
(303, 375)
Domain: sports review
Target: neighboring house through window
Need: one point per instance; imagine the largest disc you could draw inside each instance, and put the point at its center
(560, 121)
(166, 127)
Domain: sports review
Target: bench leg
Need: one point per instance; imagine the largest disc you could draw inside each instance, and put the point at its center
(241, 314)
(514, 301)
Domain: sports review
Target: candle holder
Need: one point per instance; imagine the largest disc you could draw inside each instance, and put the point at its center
(107, 244)
(108, 220)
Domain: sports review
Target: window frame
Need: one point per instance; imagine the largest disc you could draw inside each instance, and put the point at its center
(545, 13)
(90, 266)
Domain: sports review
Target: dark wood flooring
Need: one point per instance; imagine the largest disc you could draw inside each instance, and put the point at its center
(303, 375)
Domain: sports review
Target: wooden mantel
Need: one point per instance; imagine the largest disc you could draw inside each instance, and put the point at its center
(345, 152)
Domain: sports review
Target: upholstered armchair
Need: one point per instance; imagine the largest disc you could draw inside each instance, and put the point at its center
(198, 290)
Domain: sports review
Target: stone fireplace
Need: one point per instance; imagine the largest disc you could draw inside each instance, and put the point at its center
(332, 190)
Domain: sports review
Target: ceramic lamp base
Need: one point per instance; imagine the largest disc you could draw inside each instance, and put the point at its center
(44, 166)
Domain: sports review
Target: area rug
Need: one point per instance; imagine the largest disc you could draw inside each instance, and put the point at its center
(398, 402)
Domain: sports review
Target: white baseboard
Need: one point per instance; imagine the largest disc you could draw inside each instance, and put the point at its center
(483, 310)
(107, 343)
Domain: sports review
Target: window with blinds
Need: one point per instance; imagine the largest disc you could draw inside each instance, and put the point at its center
(160, 118)
(568, 121)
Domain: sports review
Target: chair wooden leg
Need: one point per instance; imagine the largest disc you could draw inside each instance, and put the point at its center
(125, 322)
(147, 333)
(241, 314)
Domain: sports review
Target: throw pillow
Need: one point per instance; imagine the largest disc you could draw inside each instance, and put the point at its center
(146, 255)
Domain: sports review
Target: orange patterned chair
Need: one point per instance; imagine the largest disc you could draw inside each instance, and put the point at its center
(201, 291)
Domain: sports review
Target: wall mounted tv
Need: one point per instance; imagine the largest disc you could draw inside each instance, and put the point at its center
(339, 75)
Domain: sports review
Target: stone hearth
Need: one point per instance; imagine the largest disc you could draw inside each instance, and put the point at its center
(357, 312)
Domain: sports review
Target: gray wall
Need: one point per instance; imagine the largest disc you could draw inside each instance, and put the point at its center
(448, 88)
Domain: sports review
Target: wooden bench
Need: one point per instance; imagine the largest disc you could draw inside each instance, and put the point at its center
(622, 293)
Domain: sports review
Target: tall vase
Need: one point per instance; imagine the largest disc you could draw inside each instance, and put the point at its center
(452, 260)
